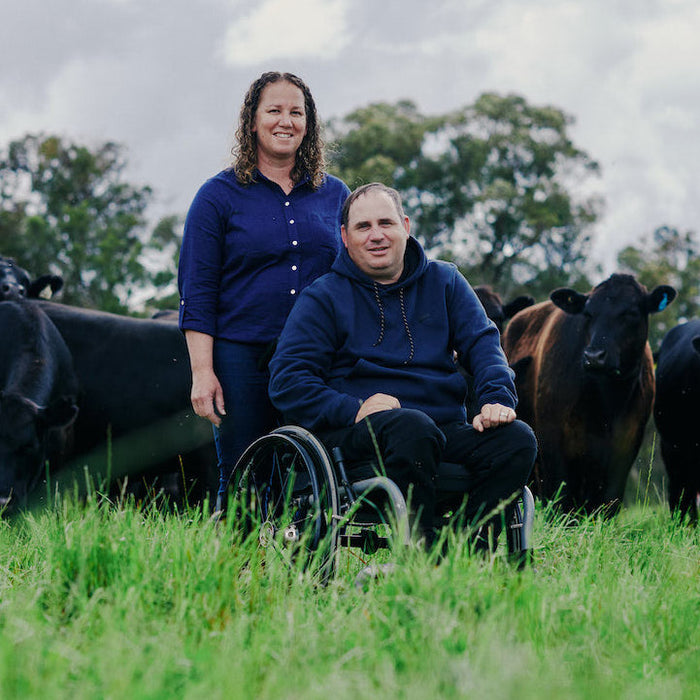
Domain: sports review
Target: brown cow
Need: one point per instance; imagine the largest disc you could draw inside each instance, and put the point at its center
(585, 382)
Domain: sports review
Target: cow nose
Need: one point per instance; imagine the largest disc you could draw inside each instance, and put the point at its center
(594, 358)
(12, 291)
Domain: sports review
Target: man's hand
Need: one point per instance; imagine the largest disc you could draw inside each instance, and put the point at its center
(492, 415)
(376, 403)
(207, 396)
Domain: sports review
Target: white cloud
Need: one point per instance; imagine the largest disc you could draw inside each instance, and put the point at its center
(168, 84)
(280, 29)
(626, 73)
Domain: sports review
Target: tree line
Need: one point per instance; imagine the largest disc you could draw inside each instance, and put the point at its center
(494, 186)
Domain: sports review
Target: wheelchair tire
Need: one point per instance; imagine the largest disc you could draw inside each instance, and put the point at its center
(519, 530)
(287, 497)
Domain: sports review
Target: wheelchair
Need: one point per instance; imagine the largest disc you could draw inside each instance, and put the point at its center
(295, 498)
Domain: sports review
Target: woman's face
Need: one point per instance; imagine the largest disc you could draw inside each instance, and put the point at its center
(280, 121)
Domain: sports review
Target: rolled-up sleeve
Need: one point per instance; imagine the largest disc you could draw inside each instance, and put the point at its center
(199, 270)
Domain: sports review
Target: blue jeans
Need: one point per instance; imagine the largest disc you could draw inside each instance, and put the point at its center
(249, 413)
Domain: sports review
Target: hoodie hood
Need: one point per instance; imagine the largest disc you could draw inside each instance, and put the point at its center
(415, 264)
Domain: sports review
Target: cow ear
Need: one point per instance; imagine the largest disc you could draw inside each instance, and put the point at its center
(660, 298)
(60, 414)
(569, 300)
(517, 304)
(36, 288)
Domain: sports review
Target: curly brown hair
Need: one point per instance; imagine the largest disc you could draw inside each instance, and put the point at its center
(310, 159)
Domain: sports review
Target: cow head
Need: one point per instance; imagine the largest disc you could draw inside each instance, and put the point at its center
(14, 281)
(494, 307)
(614, 322)
(29, 434)
(16, 284)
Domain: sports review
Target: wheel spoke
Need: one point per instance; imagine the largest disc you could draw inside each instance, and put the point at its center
(287, 500)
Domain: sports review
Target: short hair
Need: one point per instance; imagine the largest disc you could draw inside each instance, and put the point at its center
(310, 158)
(364, 189)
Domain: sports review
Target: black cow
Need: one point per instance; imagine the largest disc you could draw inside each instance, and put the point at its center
(585, 382)
(38, 392)
(496, 310)
(15, 282)
(676, 414)
(135, 412)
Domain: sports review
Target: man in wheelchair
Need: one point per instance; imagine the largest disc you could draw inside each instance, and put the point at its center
(366, 361)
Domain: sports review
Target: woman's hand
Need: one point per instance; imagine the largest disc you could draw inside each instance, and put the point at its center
(207, 397)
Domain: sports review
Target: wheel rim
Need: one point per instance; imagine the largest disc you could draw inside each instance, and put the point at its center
(279, 492)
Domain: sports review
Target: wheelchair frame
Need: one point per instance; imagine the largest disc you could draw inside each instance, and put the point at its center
(299, 501)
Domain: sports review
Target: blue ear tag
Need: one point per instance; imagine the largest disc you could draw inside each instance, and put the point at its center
(664, 302)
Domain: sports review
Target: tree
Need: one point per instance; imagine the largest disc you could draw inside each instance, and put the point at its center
(66, 209)
(667, 257)
(491, 186)
(378, 143)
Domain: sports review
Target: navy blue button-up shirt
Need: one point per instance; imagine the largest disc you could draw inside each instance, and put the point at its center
(249, 250)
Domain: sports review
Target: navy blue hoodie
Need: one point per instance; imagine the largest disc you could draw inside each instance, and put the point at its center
(349, 337)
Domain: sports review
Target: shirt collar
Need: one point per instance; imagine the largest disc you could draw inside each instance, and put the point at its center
(304, 180)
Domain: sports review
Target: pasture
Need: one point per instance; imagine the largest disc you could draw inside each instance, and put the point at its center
(115, 600)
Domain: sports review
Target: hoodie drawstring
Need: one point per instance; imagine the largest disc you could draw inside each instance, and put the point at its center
(403, 316)
(405, 325)
(381, 315)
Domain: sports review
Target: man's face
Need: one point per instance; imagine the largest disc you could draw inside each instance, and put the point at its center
(376, 236)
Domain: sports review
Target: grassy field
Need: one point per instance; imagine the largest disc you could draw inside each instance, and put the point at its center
(114, 601)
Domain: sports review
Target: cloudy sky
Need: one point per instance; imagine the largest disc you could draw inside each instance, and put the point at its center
(166, 79)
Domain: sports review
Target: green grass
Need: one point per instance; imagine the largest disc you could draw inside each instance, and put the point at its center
(117, 601)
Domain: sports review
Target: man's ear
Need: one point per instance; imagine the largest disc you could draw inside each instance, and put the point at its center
(344, 235)
(407, 225)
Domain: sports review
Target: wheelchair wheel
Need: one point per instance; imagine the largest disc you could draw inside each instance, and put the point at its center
(519, 532)
(287, 498)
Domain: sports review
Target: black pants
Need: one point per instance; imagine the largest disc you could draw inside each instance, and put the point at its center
(497, 462)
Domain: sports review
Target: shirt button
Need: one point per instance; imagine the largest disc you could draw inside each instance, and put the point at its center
(291, 221)
(182, 301)
(293, 291)
(295, 242)
(286, 204)
(294, 267)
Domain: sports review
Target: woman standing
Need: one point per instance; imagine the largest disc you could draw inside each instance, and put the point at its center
(255, 235)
